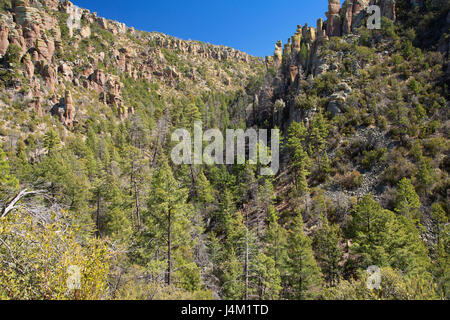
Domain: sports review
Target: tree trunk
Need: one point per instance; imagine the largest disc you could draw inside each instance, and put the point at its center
(169, 248)
(99, 204)
(246, 255)
(138, 207)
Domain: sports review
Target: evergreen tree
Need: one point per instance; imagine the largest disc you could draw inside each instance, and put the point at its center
(407, 201)
(276, 240)
(384, 239)
(169, 220)
(8, 182)
(441, 250)
(299, 157)
(327, 251)
(425, 176)
(304, 276)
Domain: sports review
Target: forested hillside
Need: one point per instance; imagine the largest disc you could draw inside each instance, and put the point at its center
(87, 110)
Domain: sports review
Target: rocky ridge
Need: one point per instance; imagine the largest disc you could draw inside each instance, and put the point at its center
(66, 52)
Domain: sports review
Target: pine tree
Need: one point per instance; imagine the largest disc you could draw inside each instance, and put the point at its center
(441, 256)
(368, 229)
(169, 220)
(276, 240)
(8, 182)
(385, 239)
(318, 135)
(300, 158)
(425, 176)
(407, 201)
(304, 275)
(327, 251)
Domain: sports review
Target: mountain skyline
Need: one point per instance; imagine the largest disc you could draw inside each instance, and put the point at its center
(252, 27)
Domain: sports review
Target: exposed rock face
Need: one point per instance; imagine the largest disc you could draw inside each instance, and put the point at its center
(199, 49)
(293, 72)
(85, 32)
(70, 110)
(45, 48)
(16, 37)
(31, 34)
(49, 74)
(387, 8)
(66, 71)
(334, 19)
(348, 16)
(25, 15)
(98, 80)
(4, 42)
(52, 4)
(278, 56)
(36, 103)
(29, 66)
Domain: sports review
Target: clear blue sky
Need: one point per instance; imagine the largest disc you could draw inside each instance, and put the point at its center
(249, 25)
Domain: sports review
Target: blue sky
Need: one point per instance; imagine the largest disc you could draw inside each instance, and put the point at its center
(252, 26)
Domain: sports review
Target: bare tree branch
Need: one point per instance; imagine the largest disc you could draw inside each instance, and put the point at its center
(12, 204)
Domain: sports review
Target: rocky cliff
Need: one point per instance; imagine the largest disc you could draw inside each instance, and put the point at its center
(65, 53)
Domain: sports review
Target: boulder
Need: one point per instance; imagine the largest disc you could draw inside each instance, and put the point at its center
(66, 71)
(85, 32)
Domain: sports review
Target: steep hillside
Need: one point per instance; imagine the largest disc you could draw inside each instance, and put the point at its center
(64, 61)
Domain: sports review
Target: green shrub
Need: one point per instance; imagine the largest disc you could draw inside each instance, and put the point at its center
(373, 157)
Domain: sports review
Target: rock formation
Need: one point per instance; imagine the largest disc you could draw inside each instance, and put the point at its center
(4, 42)
(70, 110)
(334, 19)
(49, 75)
(29, 66)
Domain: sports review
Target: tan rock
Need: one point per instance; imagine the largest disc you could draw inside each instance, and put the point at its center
(4, 42)
(293, 73)
(70, 110)
(278, 55)
(85, 32)
(66, 71)
(348, 16)
(15, 37)
(334, 20)
(49, 75)
(29, 66)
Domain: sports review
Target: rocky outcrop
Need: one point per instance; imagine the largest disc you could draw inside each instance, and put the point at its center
(35, 103)
(4, 42)
(202, 50)
(70, 110)
(16, 37)
(26, 15)
(52, 4)
(278, 55)
(98, 80)
(388, 8)
(66, 71)
(85, 32)
(334, 18)
(29, 66)
(49, 75)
